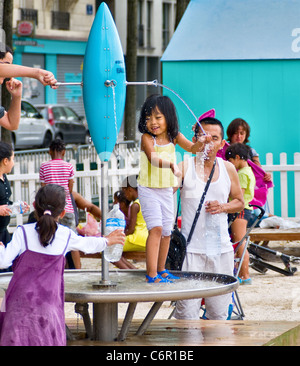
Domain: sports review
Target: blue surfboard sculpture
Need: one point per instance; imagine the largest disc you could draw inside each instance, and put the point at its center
(104, 103)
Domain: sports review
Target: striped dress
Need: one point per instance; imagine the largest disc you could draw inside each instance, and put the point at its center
(58, 171)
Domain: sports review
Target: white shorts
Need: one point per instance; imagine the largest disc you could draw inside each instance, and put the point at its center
(157, 207)
(216, 306)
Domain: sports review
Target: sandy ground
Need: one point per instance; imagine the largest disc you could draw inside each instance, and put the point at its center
(271, 296)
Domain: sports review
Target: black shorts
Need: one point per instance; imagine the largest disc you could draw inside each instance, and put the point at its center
(245, 214)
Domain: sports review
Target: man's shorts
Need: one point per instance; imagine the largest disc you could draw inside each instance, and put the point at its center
(245, 214)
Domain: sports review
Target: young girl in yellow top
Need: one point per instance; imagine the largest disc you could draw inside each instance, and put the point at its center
(158, 176)
(136, 230)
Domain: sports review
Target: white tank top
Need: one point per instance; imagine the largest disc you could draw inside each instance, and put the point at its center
(205, 240)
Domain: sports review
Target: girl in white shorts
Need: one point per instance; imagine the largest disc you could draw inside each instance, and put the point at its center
(158, 175)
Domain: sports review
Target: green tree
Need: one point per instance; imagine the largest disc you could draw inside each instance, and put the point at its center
(181, 6)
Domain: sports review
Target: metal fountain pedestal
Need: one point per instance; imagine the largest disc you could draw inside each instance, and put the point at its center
(131, 288)
(105, 317)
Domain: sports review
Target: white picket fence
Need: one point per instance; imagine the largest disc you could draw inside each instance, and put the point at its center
(88, 181)
(285, 193)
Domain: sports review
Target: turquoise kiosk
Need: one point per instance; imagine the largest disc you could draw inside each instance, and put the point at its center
(242, 58)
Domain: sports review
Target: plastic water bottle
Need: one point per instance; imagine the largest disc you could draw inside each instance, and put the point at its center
(17, 207)
(213, 234)
(115, 220)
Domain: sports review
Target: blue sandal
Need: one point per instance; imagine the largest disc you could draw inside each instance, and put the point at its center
(158, 277)
(169, 275)
(248, 281)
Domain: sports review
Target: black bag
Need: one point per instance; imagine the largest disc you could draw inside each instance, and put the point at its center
(178, 243)
(177, 250)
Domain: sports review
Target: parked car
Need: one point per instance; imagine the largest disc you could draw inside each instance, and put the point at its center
(33, 131)
(66, 123)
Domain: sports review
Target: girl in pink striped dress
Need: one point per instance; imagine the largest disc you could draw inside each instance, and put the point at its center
(58, 171)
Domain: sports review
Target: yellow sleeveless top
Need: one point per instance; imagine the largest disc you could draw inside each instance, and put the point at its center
(155, 177)
(140, 235)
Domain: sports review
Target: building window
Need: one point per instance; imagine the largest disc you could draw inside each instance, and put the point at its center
(166, 24)
(29, 14)
(149, 21)
(144, 18)
(60, 20)
(60, 15)
(140, 9)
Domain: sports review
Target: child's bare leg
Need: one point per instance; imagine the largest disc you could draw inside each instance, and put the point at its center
(238, 230)
(76, 259)
(163, 253)
(244, 271)
(152, 250)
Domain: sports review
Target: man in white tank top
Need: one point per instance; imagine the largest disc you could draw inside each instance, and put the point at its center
(210, 249)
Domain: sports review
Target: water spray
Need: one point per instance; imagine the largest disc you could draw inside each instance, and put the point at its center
(113, 83)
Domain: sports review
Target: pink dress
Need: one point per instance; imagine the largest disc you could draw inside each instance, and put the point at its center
(34, 301)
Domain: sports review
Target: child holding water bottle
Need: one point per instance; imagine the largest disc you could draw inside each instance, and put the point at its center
(158, 176)
(115, 220)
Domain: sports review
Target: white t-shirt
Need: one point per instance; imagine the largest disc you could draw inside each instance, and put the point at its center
(17, 245)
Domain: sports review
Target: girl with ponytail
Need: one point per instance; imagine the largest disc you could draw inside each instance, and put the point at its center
(32, 312)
